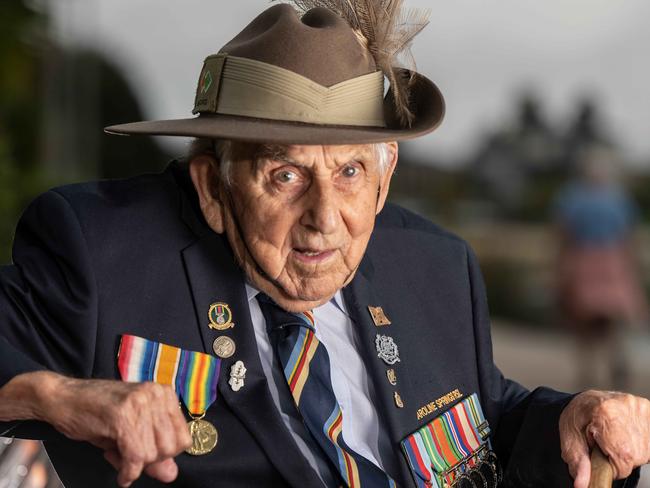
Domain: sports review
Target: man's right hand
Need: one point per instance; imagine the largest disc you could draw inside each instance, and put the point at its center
(140, 426)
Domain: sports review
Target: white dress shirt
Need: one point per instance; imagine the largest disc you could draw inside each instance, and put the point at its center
(350, 382)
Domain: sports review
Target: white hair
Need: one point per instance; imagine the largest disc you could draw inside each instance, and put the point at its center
(223, 150)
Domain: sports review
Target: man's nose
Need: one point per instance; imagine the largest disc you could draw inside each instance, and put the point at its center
(322, 212)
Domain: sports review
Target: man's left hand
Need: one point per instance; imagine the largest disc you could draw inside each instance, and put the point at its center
(617, 422)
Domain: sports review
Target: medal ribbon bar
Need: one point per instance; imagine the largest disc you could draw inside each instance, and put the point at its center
(194, 375)
(451, 444)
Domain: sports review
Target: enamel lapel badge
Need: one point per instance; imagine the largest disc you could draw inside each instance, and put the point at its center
(220, 316)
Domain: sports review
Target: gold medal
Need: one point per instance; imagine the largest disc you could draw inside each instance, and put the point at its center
(204, 437)
(220, 316)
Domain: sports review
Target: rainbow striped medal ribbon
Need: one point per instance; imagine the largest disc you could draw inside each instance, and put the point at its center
(193, 375)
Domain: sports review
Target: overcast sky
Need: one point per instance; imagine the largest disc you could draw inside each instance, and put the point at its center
(481, 53)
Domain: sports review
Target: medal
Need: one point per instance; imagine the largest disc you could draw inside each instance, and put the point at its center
(192, 374)
(204, 437)
(198, 389)
(220, 316)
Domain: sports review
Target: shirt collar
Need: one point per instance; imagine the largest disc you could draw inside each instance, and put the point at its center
(337, 299)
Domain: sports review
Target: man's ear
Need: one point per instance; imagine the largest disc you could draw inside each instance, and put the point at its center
(384, 181)
(203, 171)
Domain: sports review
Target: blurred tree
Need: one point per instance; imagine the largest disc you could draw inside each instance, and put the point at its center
(586, 131)
(20, 114)
(518, 167)
(53, 105)
(86, 92)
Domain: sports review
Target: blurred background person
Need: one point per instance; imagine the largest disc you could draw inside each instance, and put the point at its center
(598, 290)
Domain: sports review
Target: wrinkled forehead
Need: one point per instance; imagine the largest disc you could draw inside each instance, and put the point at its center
(301, 153)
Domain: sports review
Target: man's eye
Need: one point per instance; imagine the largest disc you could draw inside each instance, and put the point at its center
(350, 171)
(285, 176)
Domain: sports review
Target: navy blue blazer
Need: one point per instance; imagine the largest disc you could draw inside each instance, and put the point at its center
(97, 260)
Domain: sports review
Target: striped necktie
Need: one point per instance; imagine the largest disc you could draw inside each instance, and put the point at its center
(306, 367)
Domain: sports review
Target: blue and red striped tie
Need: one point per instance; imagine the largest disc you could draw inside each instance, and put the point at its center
(306, 367)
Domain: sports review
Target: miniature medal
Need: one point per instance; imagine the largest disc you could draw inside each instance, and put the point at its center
(387, 349)
(204, 437)
(378, 316)
(220, 316)
(224, 347)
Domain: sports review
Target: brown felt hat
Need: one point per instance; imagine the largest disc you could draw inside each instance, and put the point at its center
(298, 80)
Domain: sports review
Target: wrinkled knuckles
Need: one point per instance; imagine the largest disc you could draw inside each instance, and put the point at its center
(159, 392)
(134, 457)
(166, 451)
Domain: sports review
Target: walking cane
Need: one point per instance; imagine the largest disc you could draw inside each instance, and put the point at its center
(602, 473)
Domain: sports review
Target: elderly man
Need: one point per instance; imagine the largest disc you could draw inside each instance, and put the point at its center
(312, 334)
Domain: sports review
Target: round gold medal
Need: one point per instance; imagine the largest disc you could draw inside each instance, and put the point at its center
(204, 437)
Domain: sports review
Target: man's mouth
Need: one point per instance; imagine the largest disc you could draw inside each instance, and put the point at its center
(312, 256)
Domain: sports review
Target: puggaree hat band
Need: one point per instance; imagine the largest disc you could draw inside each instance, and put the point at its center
(309, 79)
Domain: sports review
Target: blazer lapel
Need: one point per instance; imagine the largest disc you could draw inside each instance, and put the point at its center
(215, 277)
(359, 294)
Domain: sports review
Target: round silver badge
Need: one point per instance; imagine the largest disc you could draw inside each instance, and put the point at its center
(224, 347)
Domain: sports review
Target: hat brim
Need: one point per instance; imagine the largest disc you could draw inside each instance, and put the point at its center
(426, 100)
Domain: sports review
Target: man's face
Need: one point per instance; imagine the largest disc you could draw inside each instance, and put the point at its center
(305, 215)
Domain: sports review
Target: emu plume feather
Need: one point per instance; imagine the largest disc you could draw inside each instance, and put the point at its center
(386, 29)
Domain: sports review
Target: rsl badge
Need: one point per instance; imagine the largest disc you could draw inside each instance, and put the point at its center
(220, 316)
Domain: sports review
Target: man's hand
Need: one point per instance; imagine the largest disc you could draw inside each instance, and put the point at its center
(617, 422)
(139, 426)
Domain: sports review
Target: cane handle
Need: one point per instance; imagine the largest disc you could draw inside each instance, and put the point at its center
(602, 473)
